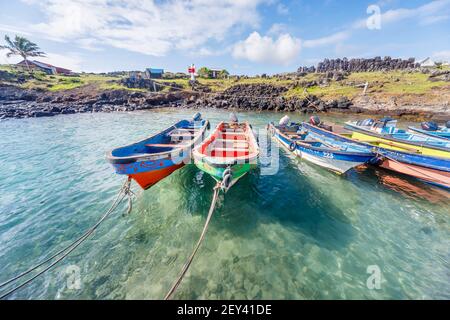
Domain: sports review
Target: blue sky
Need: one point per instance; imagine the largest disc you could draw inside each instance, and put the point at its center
(243, 36)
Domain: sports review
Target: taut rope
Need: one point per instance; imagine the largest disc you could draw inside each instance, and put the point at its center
(186, 266)
(124, 191)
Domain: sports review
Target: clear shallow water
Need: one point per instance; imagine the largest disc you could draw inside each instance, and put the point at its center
(304, 233)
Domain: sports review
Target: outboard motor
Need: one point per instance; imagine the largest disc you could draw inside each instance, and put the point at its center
(367, 122)
(197, 117)
(284, 121)
(447, 124)
(233, 117)
(388, 122)
(429, 126)
(314, 120)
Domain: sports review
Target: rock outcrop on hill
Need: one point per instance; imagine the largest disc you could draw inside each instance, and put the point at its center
(440, 76)
(361, 65)
(265, 97)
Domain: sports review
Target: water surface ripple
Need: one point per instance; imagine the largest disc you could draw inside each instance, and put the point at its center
(304, 233)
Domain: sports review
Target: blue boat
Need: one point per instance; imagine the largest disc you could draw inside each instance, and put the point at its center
(430, 169)
(430, 129)
(154, 158)
(333, 155)
(385, 129)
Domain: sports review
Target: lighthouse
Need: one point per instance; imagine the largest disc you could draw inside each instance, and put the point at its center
(191, 71)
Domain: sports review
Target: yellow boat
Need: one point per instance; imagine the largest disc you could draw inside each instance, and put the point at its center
(384, 134)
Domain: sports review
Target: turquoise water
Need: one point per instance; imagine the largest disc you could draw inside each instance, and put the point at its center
(304, 233)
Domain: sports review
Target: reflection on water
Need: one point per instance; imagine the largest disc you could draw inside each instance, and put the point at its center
(303, 233)
(411, 188)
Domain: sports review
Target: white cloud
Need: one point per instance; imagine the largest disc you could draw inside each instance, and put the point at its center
(13, 29)
(328, 40)
(146, 26)
(427, 12)
(282, 9)
(257, 48)
(276, 29)
(434, 19)
(442, 55)
(208, 52)
(432, 12)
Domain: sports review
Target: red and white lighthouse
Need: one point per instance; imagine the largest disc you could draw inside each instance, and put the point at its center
(191, 71)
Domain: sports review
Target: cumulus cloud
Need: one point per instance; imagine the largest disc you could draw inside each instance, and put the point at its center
(257, 48)
(146, 26)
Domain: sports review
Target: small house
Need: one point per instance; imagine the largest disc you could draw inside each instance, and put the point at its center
(47, 68)
(215, 72)
(153, 73)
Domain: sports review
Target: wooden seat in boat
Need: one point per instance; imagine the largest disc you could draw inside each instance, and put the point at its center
(182, 135)
(230, 149)
(164, 145)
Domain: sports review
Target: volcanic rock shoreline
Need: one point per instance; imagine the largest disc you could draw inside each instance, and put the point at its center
(22, 103)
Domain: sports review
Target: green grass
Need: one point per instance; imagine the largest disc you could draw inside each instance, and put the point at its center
(389, 83)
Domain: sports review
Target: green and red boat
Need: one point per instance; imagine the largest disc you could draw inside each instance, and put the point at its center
(228, 153)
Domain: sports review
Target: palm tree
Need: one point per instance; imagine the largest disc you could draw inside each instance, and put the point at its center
(22, 47)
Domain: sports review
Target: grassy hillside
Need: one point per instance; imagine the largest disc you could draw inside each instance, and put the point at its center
(381, 84)
(41, 80)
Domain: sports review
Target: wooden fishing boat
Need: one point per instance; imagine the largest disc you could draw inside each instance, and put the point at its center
(441, 132)
(154, 158)
(228, 153)
(430, 169)
(334, 155)
(386, 135)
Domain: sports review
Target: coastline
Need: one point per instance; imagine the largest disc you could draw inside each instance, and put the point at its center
(16, 102)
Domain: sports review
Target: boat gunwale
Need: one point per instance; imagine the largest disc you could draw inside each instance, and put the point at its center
(159, 155)
(251, 158)
(382, 150)
(324, 149)
(423, 132)
(352, 127)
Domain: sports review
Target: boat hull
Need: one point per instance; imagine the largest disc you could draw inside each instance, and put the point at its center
(153, 159)
(150, 178)
(235, 150)
(339, 162)
(362, 135)
(434, 134)
(436, 177)
(147, 173)
(237, 170)
(430, 169)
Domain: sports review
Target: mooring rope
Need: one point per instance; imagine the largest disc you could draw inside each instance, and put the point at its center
(124, 191)
(186, 266)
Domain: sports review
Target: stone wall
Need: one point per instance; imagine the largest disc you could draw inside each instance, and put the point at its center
(361, 65)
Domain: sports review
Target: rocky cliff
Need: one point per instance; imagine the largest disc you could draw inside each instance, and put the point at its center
(361, 65)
